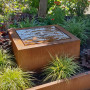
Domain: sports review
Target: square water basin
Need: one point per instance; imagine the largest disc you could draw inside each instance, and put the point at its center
(33, 46)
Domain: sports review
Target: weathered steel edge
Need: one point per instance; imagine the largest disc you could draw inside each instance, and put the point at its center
(78, 82)
(19, 44)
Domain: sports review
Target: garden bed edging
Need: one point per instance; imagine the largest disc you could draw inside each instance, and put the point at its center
(78, 82)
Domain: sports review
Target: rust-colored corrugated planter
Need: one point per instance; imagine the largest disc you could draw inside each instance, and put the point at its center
(34, 57)
(79, 82)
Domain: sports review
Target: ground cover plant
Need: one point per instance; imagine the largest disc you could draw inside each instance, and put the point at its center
(87, 20)
(6, 60)
(60, 68)
(14, 79)
(11, 76)
(77, 28)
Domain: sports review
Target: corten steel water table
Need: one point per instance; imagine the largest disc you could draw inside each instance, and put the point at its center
(33, 46)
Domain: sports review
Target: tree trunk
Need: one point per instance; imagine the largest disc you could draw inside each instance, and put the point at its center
(42, 8)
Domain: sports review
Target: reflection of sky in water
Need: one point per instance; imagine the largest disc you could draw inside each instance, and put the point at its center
(42, 34)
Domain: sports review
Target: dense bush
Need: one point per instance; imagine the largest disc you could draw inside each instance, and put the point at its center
(34, 22)
(87, 21)
(1, 19)
(81, 5)
(13, 6)
(76, 7)
(44, 21)
(25, 23)
(12, 77)
(60, 68)
(76, 27)
(15, 79)
(30, 10)
(57, 15)
(72, 7)
(6, 60)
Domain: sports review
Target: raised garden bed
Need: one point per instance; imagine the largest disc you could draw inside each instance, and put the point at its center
(78, 82)
(32, 46)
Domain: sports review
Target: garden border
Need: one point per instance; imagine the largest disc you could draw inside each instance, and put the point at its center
(78, 82)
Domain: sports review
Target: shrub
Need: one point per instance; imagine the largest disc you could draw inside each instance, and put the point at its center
(1, 7)
(24, 24)
(60, 68)
(28, 23)
(15, 79)
(81, 5)
(74, 7)
(77, 28)
(87, 21)
(34, 3)
(71, 7)
(6, 60)
(30, 10)
(1, 18)
(57, 15)
(44, 21)
(32, 23)
(13, 26)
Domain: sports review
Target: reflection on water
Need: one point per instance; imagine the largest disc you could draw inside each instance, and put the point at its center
(41, 35)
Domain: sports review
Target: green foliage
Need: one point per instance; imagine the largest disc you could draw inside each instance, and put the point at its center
(1, 19)
(13, 26)
(60, 68)
(16, 6)
(34, 3)
(30, 10)
(86, 18)
(51, 3)
(28, 23)
(8, 6)
(77, 28)
(6, 60)
(12, 77)
(76, 7)
(72, 7)
(44, 21)
(32, 23)
(81, 5)
(1, 8)
(23, 24)
(0, 25)
(8, 16)
(15, 79)
(57, 16)
(87, 23)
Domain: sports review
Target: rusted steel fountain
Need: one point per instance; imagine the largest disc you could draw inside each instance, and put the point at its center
(32, 46)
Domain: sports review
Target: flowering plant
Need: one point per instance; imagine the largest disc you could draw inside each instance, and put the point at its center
(52, 19)
(57, 15)
(57, 2)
